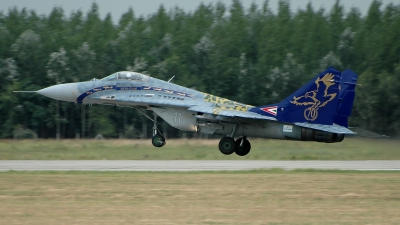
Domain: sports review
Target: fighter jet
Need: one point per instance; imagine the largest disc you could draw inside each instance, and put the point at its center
(318, 111)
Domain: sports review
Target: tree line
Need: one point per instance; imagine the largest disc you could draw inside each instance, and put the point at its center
(251, 55)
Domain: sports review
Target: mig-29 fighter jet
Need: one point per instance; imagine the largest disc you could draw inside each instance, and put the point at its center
(318, 111)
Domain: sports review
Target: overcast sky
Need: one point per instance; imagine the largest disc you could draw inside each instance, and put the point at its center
(145, 7)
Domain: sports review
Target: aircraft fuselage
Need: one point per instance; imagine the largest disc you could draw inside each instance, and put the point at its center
(306, 115)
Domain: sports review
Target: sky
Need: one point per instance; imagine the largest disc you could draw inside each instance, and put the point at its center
(146, 7)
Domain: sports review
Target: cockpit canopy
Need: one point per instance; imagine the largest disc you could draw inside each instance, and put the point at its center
(126, 75)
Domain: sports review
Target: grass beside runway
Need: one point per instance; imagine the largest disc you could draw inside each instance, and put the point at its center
(245, 197)
(349, 149)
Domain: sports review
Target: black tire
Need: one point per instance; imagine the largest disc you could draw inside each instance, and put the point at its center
(244, 149)
(227, 145)
(158, 141)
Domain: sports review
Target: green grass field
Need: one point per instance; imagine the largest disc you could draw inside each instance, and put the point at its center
(239, 197)
(246, 197)
(349, 149)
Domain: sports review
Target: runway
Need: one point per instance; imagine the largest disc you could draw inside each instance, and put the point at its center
(190, 165)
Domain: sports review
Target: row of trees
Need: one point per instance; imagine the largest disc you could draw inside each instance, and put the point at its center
(249, 55)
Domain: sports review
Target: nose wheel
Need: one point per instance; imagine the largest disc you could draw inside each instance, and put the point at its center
(158, 140)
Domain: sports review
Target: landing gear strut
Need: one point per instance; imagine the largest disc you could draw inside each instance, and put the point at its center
(158, 140)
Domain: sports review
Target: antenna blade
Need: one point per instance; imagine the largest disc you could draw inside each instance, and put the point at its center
(171, 78)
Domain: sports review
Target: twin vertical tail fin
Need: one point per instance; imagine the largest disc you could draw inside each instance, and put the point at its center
(326, 99)
(346, 97)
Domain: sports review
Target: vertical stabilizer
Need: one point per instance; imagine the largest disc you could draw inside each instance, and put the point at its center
(316, 102)
(346, 97)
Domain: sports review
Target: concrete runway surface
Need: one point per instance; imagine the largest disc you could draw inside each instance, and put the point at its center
(190, 165)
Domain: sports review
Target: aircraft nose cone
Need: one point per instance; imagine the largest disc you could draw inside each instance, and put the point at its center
(63, 92)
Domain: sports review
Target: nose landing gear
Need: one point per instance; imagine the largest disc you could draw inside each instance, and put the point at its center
(158, 140)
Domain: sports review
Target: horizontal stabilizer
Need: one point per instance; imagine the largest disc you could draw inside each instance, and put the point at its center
(328, 128)
(366, 133)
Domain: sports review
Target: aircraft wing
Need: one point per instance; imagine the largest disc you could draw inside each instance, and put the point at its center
(248, 115)
(366, 133)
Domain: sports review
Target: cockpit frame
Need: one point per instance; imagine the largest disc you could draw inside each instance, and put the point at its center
(126, 76)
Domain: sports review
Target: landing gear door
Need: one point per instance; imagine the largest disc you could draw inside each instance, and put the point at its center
(179, 118)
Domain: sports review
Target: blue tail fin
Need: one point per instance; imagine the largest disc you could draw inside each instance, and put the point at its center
(346, 97)
(326, 99)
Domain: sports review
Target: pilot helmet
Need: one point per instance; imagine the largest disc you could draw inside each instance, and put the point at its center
(128, 76)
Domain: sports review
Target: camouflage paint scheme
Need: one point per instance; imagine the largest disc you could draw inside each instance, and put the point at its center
(222, 104)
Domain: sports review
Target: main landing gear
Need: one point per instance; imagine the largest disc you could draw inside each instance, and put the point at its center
(227, 145)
